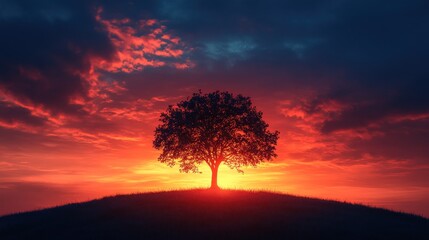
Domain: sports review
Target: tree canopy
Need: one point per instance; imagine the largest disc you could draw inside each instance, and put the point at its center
(214, 128)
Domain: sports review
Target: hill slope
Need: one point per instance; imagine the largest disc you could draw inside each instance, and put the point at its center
(204, 214)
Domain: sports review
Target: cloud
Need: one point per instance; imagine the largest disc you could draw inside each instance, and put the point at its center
(11, 115)
(45, 55)
(139, 45)
(58, 83)
(93, 72)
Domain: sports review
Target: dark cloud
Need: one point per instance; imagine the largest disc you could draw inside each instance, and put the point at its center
(367, 56)
(377, 48)
(10, 114)
(376, 107)
(45, 50)
(406, 140)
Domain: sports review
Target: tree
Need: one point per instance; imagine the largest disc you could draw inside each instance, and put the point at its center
(214, 128)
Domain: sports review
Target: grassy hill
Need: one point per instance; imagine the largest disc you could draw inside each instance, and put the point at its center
(205, 214)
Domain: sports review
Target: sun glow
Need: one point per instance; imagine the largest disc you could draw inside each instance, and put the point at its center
(171, 178)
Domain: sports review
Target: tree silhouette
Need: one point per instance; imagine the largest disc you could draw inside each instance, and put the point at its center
(215, 128)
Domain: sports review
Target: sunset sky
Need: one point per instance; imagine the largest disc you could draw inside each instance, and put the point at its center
(83, 83)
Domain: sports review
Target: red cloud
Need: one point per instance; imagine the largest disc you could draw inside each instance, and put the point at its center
(142, 44)
(136, 45)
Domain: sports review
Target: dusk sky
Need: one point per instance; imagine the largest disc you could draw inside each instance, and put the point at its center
(83, 83)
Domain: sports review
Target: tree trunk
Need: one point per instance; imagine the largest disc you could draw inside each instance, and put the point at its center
(214, 178)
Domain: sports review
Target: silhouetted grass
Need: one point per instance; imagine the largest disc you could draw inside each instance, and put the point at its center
(206, 214)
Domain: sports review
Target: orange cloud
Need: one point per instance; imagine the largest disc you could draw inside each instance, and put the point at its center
(140, 44)
(137, 49)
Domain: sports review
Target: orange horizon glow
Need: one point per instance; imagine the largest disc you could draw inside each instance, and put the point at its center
(132, 171)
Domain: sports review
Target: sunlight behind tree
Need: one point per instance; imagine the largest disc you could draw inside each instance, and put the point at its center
(214, 128)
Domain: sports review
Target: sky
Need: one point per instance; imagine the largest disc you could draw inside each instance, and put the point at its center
(83, 83)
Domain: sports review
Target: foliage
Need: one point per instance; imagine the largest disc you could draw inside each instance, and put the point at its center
(215, 128)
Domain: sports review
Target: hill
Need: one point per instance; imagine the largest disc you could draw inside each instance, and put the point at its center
(205, 214)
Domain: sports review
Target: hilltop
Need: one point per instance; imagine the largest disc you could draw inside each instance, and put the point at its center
(206, 214)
